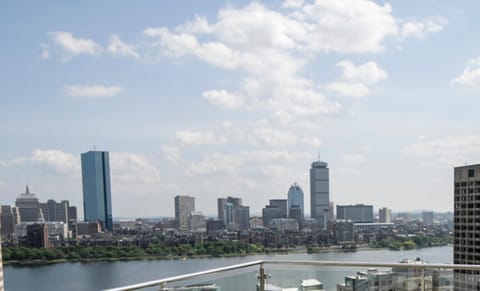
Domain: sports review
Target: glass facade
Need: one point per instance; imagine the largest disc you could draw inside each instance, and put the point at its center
(295, 198)
(97, 197)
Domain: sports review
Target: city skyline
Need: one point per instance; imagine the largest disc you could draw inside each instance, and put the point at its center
(215, 98)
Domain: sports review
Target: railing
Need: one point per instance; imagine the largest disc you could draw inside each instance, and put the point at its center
(420, 272)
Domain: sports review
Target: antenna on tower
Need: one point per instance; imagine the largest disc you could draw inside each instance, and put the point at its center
(319, 155)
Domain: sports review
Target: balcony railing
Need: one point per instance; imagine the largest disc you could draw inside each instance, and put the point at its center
(414, 275)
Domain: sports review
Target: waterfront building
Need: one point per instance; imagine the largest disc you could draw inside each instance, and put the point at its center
(8, 219)
(28, 207)
(319, 192)
(214, 226)
(384, 215)
(466, 230)
(184, 205)
(355, 213)
(197, 222)
(295, 198)
(256, 222)
(87, 228)
(37, 235)
(282, 204)
(343, 231)
(284, 224)
(427, 217)
(55, 229)
(97, 197)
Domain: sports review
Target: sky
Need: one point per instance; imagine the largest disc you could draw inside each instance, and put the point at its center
(237, 98)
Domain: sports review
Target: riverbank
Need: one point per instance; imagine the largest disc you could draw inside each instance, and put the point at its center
(48, 258)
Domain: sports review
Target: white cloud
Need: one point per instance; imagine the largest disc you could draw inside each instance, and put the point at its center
(45, 51)
(293, 3)
(71, 46)
(470, 76)
(131, 168)
(119, 48)
(56, 161)
(199, 138)
(450, 150)
(222, 98)
(355, 80)
(419, 29)
(96, 91)
(171, 153)
(349, 89)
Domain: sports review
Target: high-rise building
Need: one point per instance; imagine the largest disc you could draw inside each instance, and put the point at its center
(184, 205)
(197, 222)
(295, 212)
(233, 214)
(37, 235)
(28, 207)
(282, 204)
(319, 192)
(242, 217)
(427, 217)
(466, 230)
(355, 213)
(1, 267)
(295, 197)
(8, 220)
(384, 215)
(53, 211)
(269, 213)
(97, 197)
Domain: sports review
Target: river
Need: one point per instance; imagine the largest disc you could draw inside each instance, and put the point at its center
(102, 275)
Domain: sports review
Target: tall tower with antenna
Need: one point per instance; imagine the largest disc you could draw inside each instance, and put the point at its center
(319, 192)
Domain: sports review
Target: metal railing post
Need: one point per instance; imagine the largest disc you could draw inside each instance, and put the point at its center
(261, 277)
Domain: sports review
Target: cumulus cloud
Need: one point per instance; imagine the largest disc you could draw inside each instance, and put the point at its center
(120, 48)
(470, 76)
(355, 81)
(419, 29)
(72, 46)
(222, 98)
(199, 138)
(131, 168)
(56, 161)
(95, 91)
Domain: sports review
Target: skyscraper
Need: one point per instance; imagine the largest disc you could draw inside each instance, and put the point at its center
(295, 198)
(282, 204)
(97, 197)
(28, 207)
(466, 230)
(184, 206)
(385, 215)
(319, 192)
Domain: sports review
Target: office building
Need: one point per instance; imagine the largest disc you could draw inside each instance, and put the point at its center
(53, 211)
(184, 205)
(384, 215)
(197, 222)
(295, 198)
(233, 213)
(242, 217)
(8, 219)
(355, 213)
(319, 193)
(214, 226)
(466, 230)
(282, 204)
(295, 212)
(97, 197)
(427, 217)
(269, 213)
(37, 235)
(88, 228)
(284, 224)
(2, 288)
(28, 207)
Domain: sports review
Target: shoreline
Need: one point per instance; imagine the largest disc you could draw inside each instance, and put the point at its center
(300, 250)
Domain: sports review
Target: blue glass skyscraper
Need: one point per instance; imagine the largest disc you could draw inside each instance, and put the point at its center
(97, 197)
(295, 198)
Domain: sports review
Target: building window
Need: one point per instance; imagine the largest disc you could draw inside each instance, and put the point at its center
(471, 173)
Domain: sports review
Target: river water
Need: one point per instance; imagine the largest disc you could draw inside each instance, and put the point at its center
(102, 275)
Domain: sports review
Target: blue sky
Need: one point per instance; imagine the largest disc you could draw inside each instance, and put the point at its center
(216, 98)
